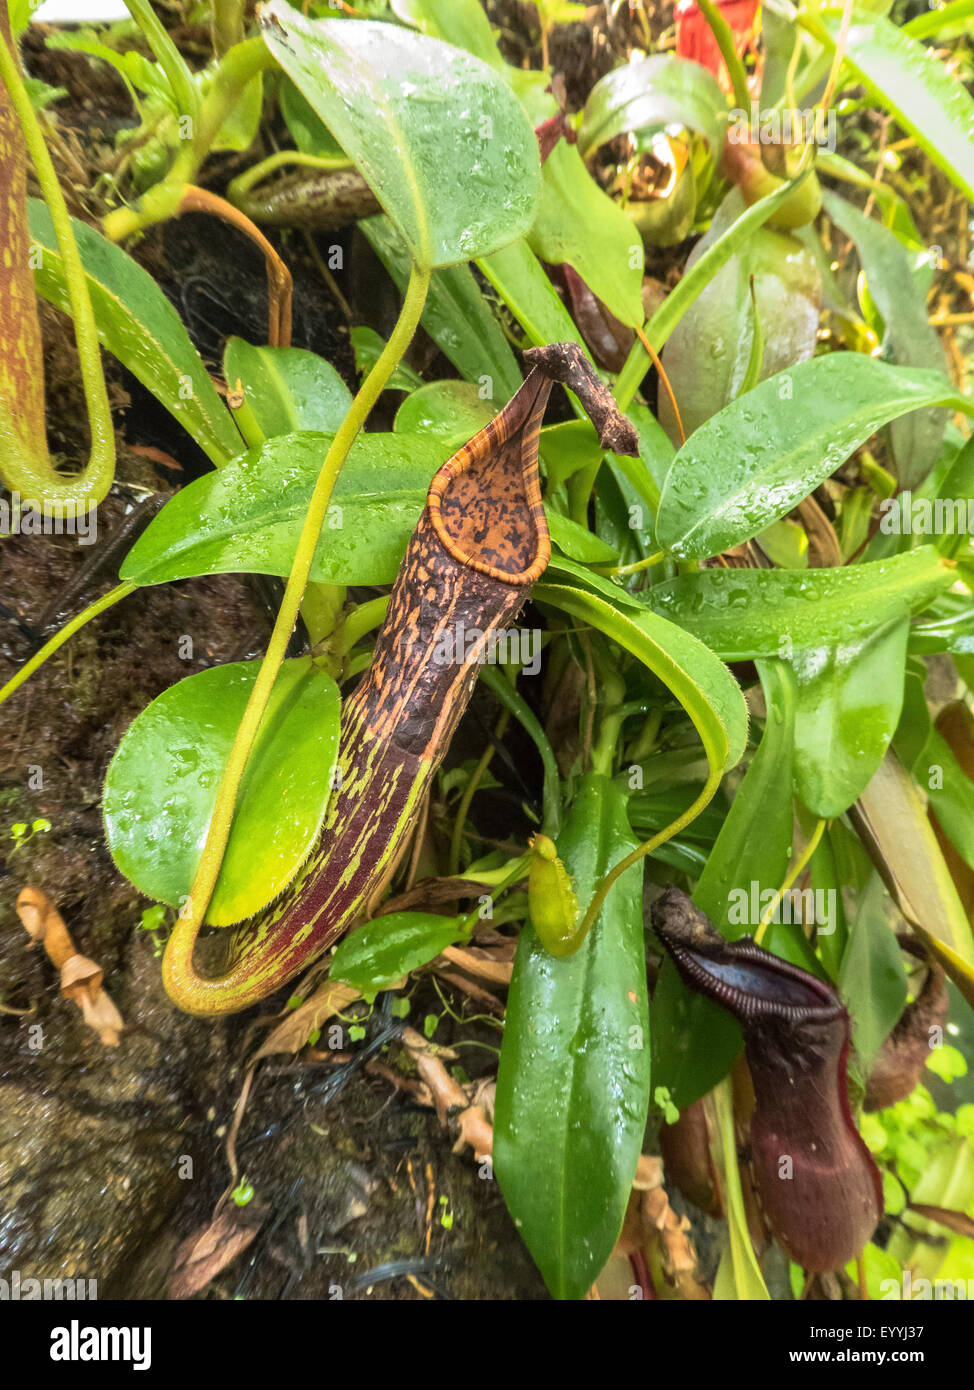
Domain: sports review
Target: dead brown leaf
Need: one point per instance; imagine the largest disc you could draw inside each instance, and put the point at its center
(203, 1255)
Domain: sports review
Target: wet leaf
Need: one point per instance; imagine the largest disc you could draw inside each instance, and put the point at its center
(849, 701)
(456, 316)
(249, 518)
(387, 95)
(138, 325)
(377, 954)
(742, 614)
(765, 451)
(573, 1086)
(162, 784)
(285, 389)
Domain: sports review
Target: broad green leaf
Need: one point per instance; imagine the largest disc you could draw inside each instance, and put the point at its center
(454, 410)
(138, 325)
(377, 954)
(909, 340)
(456, 316)
(750, 856)
(163, 781)
(650, 95)
(872, 980)
(519, 278)
(892, 823)
(285, 389)
(460, 22)
(760, 455)
(849, 700)
(573, 1085)
(719, 328)
(440, 137)
(248, 517)
(579, 224)
(742, 614)
(927, 99)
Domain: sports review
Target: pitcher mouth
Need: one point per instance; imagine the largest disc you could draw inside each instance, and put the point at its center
(485, 502)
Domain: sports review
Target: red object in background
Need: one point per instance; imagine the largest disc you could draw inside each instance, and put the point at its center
(695, 40)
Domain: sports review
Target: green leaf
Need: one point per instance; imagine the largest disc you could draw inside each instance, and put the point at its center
(872, 980)
(460, 22)
(739, 1275)
(753, 848)
(742, 614)
(453, 410)
(849, 701)
(248, 517)
(456, 316)
(578, 542)
(573, 1084)
(892, 823)
(579, 224)
(138, 325)
(927, 99)
(377, 954)
(719, 328)
(765, 451)
(163, 781)
(285, 389)
(909, 340)
(651, 95)
(310, 133)
(440, 137)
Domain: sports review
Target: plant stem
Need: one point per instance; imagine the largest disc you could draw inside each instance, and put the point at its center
(168, 57)
(183, 938)
(58, 640)
(793, 873)
(279, 282)
(20, 474)
(620, 570)
(240, 186)
(722, 32)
